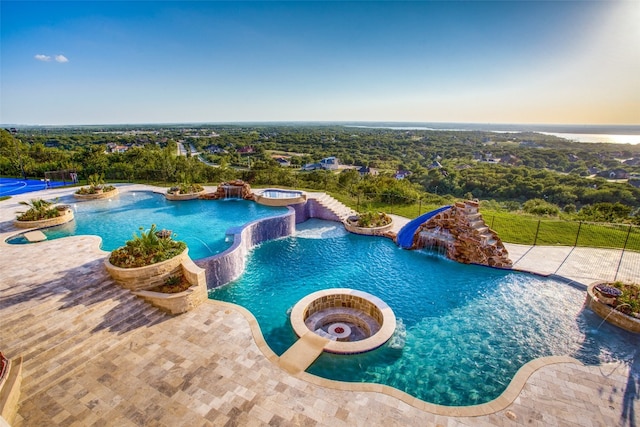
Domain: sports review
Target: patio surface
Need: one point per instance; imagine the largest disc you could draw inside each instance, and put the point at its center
(96, 355)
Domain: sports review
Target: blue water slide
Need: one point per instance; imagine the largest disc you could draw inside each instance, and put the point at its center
(405, 236)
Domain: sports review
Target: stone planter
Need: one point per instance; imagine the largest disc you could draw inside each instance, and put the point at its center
(367, 231)
(184, 301)
(610, 314)
(66, 216)
(98, 195)
(142, 278)
(187, 196)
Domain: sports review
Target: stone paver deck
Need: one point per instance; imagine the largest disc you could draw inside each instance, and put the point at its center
(90, 360)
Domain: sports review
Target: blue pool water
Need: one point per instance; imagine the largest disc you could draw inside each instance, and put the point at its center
(466, 329)
(274, 193)
(200, 223)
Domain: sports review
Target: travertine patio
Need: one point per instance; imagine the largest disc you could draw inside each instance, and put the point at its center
(96, 355)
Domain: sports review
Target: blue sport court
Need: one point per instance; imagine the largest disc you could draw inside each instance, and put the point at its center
(13, 186)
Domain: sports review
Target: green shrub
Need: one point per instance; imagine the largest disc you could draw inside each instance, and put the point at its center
(540, 207)
(148, 248)
(39, 209)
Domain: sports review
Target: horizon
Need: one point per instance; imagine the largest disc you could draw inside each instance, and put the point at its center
(347, 123)
(517, 63)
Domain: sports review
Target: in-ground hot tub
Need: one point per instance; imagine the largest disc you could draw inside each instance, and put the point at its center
(278, 197)
(353, 321)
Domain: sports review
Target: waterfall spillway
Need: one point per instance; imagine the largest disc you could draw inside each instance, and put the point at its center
(436, 238)
(232, 192)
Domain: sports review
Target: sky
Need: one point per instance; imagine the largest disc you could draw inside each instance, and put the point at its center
(91, 62)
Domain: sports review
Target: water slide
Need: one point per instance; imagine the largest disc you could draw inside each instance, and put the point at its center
(405, 235)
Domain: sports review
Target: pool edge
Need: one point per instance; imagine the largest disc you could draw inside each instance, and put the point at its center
(500, 403)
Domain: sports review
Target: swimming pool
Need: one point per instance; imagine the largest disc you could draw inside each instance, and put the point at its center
(463, 330)
(200, 223)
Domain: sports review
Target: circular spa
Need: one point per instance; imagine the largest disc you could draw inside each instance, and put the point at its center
(277, 197)
(353, 321)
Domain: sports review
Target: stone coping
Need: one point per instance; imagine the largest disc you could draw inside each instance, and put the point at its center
(609, 313)
(96, 196)
(49, 222)
(258, 197)
(498, 404)
(301, 311)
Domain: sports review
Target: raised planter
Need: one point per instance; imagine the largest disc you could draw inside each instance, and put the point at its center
(367, 231)
(142, 278)
(186, 196)
(10, 383)
(66, 216)
(610, 314)
(96, 196)
(184, 301)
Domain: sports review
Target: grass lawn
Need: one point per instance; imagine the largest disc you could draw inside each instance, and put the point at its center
(524, 229)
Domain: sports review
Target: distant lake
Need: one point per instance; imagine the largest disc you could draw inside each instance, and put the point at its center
(612, 134)
(594, 137)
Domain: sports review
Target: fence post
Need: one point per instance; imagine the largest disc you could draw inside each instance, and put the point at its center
(493, 218)
(578, 234)
(622, 254)
(535, 240)
(626, 240)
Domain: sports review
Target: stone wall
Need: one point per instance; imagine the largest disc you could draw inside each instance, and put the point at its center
(342, 300)
(464, 236)
(142, 278)
(184, 301)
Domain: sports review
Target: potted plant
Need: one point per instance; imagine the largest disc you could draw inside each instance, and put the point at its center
(607, 294)
(43, 213)
(147, 259)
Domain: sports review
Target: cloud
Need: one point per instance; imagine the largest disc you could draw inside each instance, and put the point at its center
(47, 58)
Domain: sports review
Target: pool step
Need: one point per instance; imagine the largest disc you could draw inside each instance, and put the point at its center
(64, 357)
(61, 325)
(67, 323)
(339, 210)
(20, 300)
(54, 306)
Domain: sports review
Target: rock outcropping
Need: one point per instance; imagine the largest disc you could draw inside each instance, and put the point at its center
(465, 237)
(237, 189)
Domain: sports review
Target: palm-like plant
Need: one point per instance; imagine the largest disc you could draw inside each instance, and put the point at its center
(38, 209)
(149, 247)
